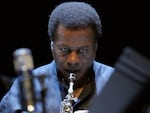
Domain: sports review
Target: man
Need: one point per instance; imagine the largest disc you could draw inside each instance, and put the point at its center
(74, 29)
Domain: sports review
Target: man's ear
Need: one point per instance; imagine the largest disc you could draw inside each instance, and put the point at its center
(52, 47)
(52, 44)
(96, 46)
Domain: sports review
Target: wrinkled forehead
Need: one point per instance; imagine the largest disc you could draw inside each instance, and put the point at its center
(63, 32)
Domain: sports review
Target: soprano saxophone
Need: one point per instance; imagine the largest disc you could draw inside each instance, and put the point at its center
(66, 104)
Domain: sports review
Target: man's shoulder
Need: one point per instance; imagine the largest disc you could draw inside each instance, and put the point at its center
(103, 71)
(101, 66)
(102, 74)
(45, 69)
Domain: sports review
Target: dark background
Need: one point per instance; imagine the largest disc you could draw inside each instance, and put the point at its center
(24, 24)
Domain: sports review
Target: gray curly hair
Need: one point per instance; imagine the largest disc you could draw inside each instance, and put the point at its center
(74, 15)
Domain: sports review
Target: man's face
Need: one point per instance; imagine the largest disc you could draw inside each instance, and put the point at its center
(74, 51)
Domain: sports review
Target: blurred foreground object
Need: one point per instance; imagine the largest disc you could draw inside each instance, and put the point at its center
(23, 64)
(128, 90)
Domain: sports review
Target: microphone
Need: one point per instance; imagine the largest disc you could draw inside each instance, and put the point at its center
(23, 64)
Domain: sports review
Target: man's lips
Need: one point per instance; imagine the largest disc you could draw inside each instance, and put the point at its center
(72, 70)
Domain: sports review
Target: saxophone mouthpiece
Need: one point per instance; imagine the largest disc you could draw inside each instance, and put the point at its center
(72, 76)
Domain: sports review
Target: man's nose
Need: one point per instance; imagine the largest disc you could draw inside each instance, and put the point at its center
(73, 59)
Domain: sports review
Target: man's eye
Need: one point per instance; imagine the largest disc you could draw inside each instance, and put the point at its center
(83, 50)
(64, 50)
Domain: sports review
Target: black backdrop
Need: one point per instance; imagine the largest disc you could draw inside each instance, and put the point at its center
(24, 24)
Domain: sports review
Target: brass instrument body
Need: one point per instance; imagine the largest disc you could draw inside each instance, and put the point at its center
(66, 104)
